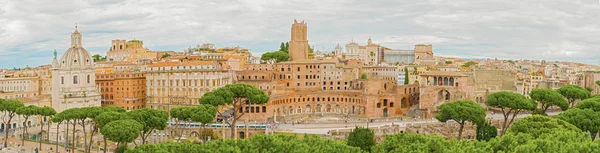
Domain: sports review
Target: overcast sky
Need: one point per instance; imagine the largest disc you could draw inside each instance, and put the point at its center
(566, 30)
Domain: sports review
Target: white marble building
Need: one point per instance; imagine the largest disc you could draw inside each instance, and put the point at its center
(73, 78)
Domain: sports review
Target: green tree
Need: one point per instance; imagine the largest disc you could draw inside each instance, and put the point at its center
(9, 107)
(511, 104)
(539, 126)
(26, 112)
(598, 82)
(406, 142)
(90, 113)
(287, 47)
(182, 114)
(448, 62)
(573, 92)
(258, 143)
(363, 76)
(311, 49)
(114, 109)
(237, 96)
(151, 119)
(58, 119)
(275, 57)
(283, 47)
(485, 131)
(46, 112)
(204, 114)
(461, 111)
(71, 116)
(122, 131)
(585, 119)
(363, 138)
(107, 117)
(165, 55)
(548, 98)
(406, 81)
(589, 89)
(468, 64)
(590, 103)
(96, 57)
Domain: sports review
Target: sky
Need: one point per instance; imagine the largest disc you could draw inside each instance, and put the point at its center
(565, 30)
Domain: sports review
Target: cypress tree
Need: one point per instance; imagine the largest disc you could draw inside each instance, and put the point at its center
(282, 47)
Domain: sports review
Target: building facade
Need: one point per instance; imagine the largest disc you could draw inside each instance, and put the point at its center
(73, 78)
(326, 87)
(132, 51)
(125, 89)
(181, 83)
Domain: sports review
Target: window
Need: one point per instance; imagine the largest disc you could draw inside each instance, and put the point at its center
(75, 80)
(88, 78)
(378, 105)
(62, 80)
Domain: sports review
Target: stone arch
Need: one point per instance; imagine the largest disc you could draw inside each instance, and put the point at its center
(307, 109)
(328, 108)
(319, 108)
(337, 109)
(443, 95)
(291, 110)
(194, 134)
(404, 103)
(451, 82)
(345, 109)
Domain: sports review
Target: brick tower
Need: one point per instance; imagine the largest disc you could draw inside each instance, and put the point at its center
(298, 48)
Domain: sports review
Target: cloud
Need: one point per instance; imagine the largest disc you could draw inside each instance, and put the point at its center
(511, 29)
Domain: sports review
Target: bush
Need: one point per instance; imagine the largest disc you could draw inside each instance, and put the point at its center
(486, 132)
(363, 138)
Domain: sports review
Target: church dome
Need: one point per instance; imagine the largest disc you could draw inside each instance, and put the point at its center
(76, 55)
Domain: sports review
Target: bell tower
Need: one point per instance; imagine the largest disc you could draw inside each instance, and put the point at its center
(298, 49)
(76, 38)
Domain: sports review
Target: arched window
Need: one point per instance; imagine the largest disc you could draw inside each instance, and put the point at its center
(88, 78)
(62, 80)
(75, 80)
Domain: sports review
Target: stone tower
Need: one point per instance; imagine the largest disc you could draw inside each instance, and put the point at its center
(423, 51)
(298, 48)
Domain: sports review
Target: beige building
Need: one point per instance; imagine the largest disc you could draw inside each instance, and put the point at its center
(439, 87)
(487, 82)
(588, 79)
(181, 83)
(370, 54)
(132, 51)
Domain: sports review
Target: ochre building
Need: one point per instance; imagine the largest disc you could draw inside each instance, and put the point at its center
(125, 89)
(327, 87)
